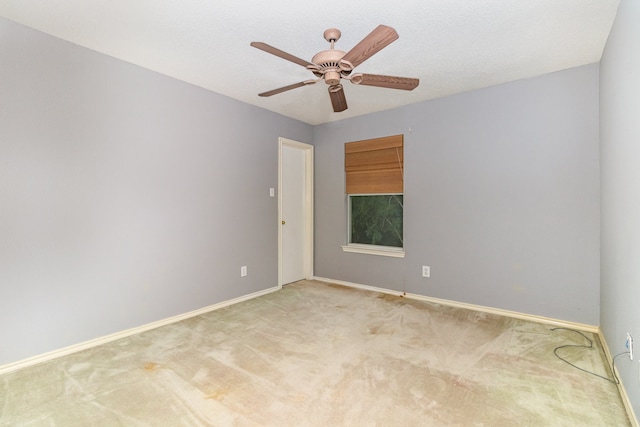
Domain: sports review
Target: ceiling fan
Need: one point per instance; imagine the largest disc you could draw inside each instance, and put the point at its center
(333, 65)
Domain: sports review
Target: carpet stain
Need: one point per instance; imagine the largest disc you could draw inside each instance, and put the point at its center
(150, 366)
(217, 395)
(389, 297)
(299, 397)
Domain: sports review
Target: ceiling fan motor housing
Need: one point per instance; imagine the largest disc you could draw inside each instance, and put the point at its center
(328, 67)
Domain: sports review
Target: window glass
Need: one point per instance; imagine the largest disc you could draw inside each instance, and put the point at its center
(376, 219)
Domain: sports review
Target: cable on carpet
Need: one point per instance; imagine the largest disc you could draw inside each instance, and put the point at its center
(590, 345)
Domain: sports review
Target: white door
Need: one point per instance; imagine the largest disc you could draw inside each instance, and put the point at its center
(295, 211)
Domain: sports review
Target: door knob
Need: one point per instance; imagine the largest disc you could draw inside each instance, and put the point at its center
(283, 222)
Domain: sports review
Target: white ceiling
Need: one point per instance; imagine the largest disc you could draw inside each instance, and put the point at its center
(452, 46)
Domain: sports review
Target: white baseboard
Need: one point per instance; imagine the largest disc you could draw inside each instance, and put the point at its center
(508, 313)
(499, 311)
(623, 392)
(122, 334)
(359, 286)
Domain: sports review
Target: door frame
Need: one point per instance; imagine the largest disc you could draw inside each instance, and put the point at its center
(308, 206)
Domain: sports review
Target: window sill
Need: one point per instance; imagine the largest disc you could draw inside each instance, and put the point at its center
(374, 250)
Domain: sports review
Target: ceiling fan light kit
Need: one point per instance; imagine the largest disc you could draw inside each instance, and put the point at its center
(333, 65)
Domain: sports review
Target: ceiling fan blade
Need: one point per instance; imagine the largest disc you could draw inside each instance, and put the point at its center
(277, 52)
(338, 100)
(286, 88)
(391, 82)
(373, 43)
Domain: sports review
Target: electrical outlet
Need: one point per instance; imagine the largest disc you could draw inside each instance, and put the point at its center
(629, 345)
(426, 271)
(243, 271)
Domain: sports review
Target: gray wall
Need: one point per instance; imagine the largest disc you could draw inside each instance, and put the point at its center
(620, 160)
(126, 197)
(501, 197)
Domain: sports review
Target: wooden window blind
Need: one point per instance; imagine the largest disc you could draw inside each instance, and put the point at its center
(375, 166)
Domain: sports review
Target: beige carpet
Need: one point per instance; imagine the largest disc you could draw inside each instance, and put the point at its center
(315, 354)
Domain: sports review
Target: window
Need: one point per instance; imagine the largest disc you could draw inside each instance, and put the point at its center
(374, 187)
(376, 219)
